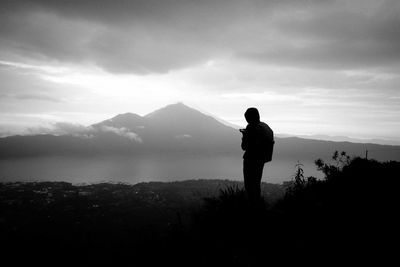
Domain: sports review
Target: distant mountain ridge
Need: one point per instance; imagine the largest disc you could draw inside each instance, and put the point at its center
(341, 138)
(174, 130)
(175, 127)
(176, 118)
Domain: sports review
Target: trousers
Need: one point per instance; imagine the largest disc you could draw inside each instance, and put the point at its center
(252, 173)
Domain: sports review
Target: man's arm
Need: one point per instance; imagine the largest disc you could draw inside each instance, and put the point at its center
(244, 141)
(246, 138)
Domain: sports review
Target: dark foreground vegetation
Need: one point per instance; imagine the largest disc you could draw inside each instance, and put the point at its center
(350, 215)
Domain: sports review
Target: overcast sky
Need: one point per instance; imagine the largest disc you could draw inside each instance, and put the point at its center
(311, 67)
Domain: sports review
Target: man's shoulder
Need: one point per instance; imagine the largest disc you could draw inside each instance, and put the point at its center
(261, 126)
(267, 131)
(264, 125)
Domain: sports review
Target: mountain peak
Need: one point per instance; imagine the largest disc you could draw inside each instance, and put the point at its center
(127, 120)
(127, 115)
(178, 119)
(176, 108)
(181, 104)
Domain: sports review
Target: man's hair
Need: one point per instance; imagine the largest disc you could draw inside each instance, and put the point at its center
(252, 115)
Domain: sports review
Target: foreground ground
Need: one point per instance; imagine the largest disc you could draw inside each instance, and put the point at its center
(350, 214)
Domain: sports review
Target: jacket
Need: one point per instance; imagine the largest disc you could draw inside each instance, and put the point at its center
(258, 142)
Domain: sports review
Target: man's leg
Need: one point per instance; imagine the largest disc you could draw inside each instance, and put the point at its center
(248, 179)
(252, 173)
(258, 171)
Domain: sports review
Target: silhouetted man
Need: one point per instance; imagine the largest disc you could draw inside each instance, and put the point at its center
(257, 142)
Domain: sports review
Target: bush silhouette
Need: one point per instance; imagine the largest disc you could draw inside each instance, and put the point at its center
(348, 214)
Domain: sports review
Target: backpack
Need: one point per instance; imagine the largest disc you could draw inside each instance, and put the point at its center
(268, 142)
(269, 151)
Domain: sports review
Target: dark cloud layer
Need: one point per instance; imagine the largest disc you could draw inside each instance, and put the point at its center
(146, 36)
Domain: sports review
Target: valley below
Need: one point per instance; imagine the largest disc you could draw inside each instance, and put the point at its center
(141, 169)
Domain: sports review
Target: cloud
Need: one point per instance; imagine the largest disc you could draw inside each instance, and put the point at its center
(183, 136)
(78, 130)
(62, 128)
(149, 36)
(116, 41)
(124, 132)
(39, 97)
(341, 35)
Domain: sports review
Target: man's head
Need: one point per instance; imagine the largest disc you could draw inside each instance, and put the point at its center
(252, 115)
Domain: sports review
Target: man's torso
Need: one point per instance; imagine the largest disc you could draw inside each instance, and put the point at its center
(258, 141)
